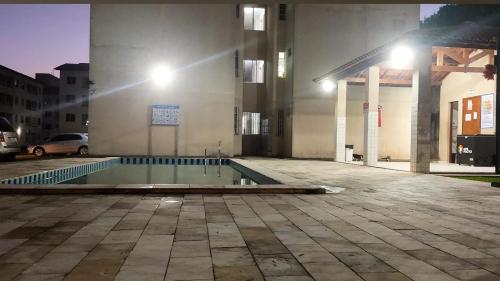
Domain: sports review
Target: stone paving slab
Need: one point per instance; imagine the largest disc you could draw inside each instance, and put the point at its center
(384, 225)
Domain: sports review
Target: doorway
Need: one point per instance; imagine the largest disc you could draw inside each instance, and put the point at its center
(453, 131)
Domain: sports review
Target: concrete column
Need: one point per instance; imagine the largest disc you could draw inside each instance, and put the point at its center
(340, 113)
(370, 109)
(420, 154)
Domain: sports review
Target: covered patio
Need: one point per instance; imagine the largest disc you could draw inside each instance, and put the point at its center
(420, 60)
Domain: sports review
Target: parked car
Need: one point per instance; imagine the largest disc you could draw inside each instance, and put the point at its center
(9, 145)
(68, 143)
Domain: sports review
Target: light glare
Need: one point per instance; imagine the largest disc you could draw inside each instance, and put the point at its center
(161, 75)
(327, 85)
(401, 57)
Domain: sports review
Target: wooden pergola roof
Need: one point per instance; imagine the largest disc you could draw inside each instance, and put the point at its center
(454, 48)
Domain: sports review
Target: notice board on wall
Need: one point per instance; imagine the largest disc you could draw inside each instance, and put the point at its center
(487, 113)
(471, 116)
(165, 114)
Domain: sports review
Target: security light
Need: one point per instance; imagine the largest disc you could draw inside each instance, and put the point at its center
(327, 85)
(19, 131)
(401, 57)
(161, 75)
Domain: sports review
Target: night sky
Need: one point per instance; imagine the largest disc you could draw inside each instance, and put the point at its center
(37, 38)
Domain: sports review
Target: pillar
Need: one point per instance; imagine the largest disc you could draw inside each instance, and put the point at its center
(370, 110)
(497, 109)
(340, 113)
(420, 154)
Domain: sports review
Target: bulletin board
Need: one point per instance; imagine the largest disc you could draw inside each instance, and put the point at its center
(471, 116)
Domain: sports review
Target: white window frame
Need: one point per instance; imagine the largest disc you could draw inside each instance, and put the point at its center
(257, 71)
(250, 123)
(249, 19)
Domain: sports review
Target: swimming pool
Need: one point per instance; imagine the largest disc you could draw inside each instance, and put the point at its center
(150, 170)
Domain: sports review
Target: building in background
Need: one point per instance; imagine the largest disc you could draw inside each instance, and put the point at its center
(21, 99)
(73, 97)
(50, 105)
(243, 74)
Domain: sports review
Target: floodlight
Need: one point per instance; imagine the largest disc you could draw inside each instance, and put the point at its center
(161, 75)
(327, 85)
(401, 57)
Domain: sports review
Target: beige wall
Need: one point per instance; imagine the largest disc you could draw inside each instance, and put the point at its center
(127, 41)
(325, 37)
(394, 134)
(456, 87)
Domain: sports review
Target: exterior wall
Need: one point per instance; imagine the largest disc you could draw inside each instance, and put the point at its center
(456, 87)
(21, 90)
(394, 133)
(80, 91)
(327, 36)
(127, 41)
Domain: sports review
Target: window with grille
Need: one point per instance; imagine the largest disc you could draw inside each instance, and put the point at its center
(250, 122)
(281, 123)
(282, 11)
(236, 121)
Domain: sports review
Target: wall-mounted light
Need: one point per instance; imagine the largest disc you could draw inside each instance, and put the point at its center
(327, 85)
(161, 75)
(401, 57)
(19, 131)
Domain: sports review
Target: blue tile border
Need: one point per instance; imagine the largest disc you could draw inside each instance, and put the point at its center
(68, 173)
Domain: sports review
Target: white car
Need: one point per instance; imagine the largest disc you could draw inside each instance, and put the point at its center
(9, 145)
(68, 143)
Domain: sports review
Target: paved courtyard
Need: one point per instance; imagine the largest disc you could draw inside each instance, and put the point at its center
(379, 225)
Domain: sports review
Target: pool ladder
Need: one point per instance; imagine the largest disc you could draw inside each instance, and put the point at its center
(218, 158)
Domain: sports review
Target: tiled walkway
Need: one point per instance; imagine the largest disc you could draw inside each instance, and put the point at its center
(385, 225)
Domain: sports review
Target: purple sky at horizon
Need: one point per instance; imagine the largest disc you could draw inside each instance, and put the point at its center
(38, 38)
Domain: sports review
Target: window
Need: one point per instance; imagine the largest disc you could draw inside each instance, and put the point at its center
(70, 117)
(282, 64)
(282, 11)
(70, 98)
(85, 119)
(253, 71)
(6, 100)
(31, 105)
(236, 64)
(236, 121)
(71, 80)
(254, 18)
(250, 123)
(281, 123)
(73, 137)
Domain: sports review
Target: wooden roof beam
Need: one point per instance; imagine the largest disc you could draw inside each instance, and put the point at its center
(387, 81)
(452, 68)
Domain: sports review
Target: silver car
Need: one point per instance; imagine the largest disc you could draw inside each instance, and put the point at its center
(68, 143)
(9, 145)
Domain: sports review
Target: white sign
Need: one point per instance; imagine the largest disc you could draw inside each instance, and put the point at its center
(487, 116)
(468, 117)
(165, 114)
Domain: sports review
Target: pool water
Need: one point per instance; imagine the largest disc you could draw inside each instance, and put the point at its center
(167, 174)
